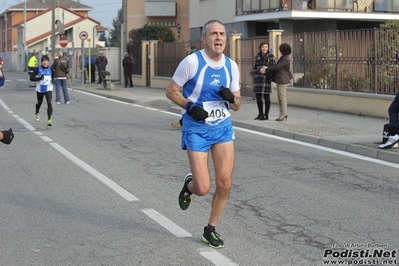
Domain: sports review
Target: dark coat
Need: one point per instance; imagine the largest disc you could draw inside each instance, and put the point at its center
(261, 83)
(101, 62)
(281, 70)
(127, 64)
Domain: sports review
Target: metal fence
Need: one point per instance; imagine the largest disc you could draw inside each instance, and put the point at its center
(247, 50)
(169, 55)
(135, 51)
(360, 61)
(10, 60)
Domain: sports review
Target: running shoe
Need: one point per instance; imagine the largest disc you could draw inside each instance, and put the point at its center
(212, 238)
(37, 117)
(57, 102)
(50, 122)
(391, 142)
(185, 196)
(67, 102)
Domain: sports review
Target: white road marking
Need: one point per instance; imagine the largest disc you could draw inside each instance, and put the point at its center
(170, 113)
(151, 109)
(25, 124)
(216, 257)
(46, 139)
(114, 100)
(105, 180)
(166, 223)
(4, 105)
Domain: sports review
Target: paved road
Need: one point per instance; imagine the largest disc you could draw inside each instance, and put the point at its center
(346, 132)
(100, 188)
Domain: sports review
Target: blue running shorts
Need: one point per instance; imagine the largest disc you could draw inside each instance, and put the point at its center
(202, 140)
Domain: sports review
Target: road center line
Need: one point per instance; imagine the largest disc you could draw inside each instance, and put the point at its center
(166, 223)
(105, 180)
(215, 257)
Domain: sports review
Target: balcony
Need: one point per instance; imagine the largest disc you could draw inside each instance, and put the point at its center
(244, 7)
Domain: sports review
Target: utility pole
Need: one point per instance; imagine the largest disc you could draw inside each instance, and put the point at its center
(25, 48)
(124, 31)
(52, 29)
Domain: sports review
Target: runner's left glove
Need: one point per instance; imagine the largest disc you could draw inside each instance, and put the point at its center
(227, 95)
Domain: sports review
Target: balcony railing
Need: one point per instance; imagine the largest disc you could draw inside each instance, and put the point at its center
(244, 7)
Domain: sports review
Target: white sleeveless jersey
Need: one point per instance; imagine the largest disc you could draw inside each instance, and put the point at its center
(201, 79)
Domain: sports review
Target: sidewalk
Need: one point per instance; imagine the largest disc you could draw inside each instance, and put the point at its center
(352, 133)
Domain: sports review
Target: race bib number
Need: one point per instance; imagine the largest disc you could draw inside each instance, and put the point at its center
(45, 83)
(217, 112)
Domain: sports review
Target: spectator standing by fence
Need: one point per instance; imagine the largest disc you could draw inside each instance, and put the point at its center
(282, 78)
(101, 63)
(262, 82)
(127, 70)
(61, 70)
(92, 62)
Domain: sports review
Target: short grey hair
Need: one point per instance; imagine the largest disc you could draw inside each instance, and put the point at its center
(205, 27)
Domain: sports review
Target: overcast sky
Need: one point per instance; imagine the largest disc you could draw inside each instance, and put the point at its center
(104, 11)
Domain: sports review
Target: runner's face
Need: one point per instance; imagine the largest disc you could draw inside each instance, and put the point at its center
(45, 63)
(214, 40)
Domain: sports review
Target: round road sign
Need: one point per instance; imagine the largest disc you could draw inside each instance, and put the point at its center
(83, 35)
(63, 41)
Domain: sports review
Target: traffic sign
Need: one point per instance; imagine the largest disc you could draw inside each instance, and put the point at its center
(83, 35)
(63, 41)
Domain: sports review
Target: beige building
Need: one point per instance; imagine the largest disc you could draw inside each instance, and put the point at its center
(174, 14)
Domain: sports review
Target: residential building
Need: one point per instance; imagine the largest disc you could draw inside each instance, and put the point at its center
(174, 14)
(74, 19)
(254, 18)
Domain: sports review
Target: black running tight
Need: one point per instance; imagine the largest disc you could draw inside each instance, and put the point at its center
(49, 96)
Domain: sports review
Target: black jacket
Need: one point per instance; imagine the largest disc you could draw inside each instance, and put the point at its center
(281, 69)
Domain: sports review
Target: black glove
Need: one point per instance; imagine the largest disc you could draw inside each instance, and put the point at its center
(41, 77)
(227, 95)
(8, 136)
(196, 112)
